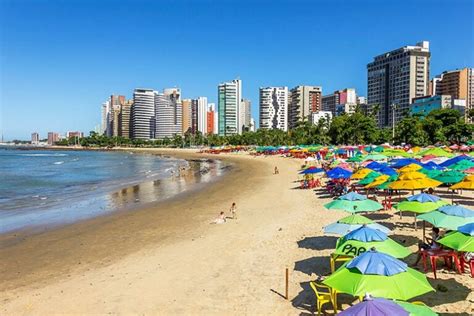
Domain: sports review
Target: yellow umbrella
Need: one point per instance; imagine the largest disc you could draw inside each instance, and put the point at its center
(467, 183)
(378, 181)
(409, 168)
(416, 149)
(361, 174)
(413, 181)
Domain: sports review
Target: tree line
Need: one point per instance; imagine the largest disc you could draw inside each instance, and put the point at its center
(444, 126)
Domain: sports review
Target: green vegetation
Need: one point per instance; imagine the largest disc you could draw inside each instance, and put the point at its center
(440, 126)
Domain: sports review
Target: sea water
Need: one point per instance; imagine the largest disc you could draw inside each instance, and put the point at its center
(42, 188)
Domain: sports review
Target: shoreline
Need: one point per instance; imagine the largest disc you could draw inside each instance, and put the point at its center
(160, 219)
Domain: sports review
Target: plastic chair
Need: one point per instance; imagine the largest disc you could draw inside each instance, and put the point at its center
(324, 294)
(337, 258)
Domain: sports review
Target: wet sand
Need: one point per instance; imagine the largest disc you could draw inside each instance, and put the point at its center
(168, 259)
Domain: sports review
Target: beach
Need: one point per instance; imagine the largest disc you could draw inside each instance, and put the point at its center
(168, 259)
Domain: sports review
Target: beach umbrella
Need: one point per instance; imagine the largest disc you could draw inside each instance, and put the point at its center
(364, 238)
(377, 181)
(431, 173)
(399, 163)
(369, 178)
(409, 168)
(387, 170)
(415, 309)
(419, 207)
(449, 217)
(312, 171)
(374, 157)
(462, 165)
(396, 153)
(374, 165)
(438, 152)
(467, 184)
(470, 170)
(352, 222)
(381, 275)
(353, 205)
(375, 306)
(423, 198)
(450, 176)
(361, 173)
(413, 181)
(339, 173)
(454, 160)
(461, 240)
(430, 165)
(356, 158)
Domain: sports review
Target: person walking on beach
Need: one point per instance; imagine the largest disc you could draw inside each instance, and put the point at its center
(276, 170)
(233, 211)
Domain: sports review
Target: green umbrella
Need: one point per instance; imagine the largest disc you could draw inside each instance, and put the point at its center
(442, 220)
(351, 247)
(369, 178)
(355, 219)
(462, 165)
(396, 153)
(403, 285)
(438, 152)
(451, 176)
(458, 240)
(354, 206)
(431, 173)
(374, 157)
(415, 309)
(357, 158)
(419, 207)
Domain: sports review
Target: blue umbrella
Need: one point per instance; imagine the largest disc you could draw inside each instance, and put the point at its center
(342, 229)
(456, 210)
(398, 163)
(374, 165)
(375, 307)
(339, 173)
(374, 262)
(366, 234)
(388, 171)
(423, 198)
(312, 170)
(353, 196)
(430, 165)
(452, 161)
(467, 229)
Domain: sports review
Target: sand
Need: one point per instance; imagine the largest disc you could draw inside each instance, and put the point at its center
(167, 259)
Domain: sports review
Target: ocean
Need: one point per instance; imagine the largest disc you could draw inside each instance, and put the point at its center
(40, 189)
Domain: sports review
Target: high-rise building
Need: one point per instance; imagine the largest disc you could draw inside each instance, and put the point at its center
(424, 105)
(169, 114)
(245, 113)
(459, 84)
(194, 116)
(433, 85)
(143, 114)
(115, 103)
(252, 126)
(341, 101)
(303, 101)
(125, 119)
(53, 138)
(229, 98)
(211, 114)
(202, 115)
(35, 138)
(116, 121)
(274, 108)
(105, 117)
(395, 78)
(187, 115)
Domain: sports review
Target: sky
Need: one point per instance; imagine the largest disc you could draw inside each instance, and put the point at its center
(59, 60)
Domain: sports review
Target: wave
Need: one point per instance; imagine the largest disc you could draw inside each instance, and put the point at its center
(58, 162)
(43, 155)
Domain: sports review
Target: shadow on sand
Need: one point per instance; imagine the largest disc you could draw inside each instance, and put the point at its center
(318, 242)
(313, 265)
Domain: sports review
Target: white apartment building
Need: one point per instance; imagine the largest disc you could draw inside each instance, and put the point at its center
(274, 108)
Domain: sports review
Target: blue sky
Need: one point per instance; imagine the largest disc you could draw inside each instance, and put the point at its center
(61, 59)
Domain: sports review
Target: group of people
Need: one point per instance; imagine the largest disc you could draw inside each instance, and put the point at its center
(222, 218)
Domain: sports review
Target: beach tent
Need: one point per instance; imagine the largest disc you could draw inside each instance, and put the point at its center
(379, 274)
(364, 238)
(449, 217)
(461, 240)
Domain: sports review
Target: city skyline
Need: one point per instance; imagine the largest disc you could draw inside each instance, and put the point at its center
(64, 80)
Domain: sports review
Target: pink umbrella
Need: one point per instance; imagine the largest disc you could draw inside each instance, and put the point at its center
(464, 148)
(470, 170)
(454, 147)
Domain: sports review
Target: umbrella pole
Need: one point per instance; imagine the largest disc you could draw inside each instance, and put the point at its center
(423, 231)
(414, 218)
